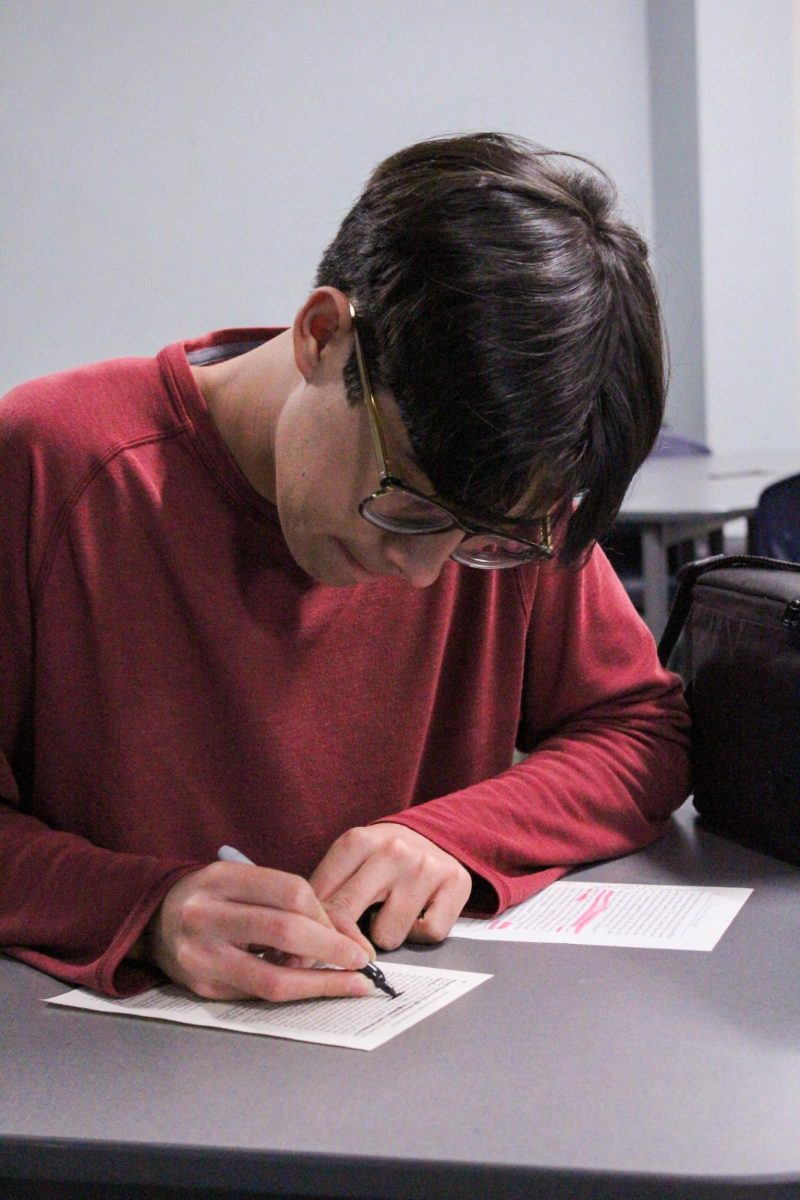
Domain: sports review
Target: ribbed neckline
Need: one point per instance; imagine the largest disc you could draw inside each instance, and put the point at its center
(193, 411)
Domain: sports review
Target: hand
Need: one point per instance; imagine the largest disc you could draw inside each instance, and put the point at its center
(422, 889)
(227, 931)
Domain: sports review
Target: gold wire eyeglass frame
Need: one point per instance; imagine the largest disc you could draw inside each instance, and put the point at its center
(391, 483)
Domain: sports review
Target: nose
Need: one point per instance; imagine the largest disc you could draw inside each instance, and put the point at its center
(420, 559)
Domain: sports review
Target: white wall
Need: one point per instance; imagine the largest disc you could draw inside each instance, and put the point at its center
(677, 248)
(724, 128)
(749, 222)
(172, 166)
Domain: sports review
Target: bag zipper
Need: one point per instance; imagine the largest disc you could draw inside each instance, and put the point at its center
(791, 615)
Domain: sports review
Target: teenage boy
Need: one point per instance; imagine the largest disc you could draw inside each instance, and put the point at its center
(304, 591)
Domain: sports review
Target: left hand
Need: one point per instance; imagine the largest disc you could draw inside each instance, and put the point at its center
(421, 888)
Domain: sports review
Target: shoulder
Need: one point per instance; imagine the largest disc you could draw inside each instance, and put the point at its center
(83, 413)
(55, 432)
(58, 432)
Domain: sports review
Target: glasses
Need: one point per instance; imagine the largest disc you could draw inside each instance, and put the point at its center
(399, 508)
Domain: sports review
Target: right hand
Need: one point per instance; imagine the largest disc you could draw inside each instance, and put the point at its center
(231, 931)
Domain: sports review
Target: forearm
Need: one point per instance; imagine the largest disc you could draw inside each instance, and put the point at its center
(606, 732)
(580, 796)
(76, 910)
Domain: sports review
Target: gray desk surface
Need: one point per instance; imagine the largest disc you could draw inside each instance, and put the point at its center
(684, 498)
(721, 486)
(575, 1072)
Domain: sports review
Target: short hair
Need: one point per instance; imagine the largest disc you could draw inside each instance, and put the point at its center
(513, 316)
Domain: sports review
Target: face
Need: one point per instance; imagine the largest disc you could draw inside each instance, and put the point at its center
(325, 466)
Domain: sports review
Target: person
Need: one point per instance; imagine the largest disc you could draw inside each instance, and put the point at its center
(304, 591)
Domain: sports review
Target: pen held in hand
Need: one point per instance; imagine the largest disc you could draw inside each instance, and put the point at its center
(371, 970)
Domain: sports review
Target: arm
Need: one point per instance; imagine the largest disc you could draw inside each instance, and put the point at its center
(66, 906)
(605, 728)
(76, 911)
(69, 905)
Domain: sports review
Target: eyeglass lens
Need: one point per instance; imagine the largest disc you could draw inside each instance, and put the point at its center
(402, 512)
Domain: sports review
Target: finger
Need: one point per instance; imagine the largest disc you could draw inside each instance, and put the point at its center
(347, 854)
(248, 976)
(345, 924)
(443, 909)
(245, 925)
(387, 867)
(297, 960)
(402, 908)
(264, 887)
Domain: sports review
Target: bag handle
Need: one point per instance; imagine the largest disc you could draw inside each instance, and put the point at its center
(688, 576)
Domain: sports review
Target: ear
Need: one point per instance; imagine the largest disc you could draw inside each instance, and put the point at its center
(324, 322)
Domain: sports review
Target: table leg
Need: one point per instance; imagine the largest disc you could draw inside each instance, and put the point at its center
(655, 569)
(716, 541)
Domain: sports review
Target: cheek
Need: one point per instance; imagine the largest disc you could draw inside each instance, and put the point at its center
(314, 498)
(325, 464)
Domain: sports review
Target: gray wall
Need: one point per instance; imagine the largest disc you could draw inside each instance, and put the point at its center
(749, 211)
(677, 246)
(172, 166)
(724, 139)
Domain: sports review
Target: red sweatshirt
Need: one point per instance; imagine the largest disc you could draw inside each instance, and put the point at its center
(170, 681)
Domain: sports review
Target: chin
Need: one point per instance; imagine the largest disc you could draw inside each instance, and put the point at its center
(323, 562)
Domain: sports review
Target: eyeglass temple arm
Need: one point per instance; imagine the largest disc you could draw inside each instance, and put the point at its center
(369, 399)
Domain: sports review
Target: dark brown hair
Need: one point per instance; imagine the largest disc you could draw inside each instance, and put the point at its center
(513, 316)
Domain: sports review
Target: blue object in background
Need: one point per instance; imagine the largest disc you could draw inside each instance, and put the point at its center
(776, 524)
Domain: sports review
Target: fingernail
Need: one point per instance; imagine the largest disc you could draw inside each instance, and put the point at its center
(361, 986)
(359, 959)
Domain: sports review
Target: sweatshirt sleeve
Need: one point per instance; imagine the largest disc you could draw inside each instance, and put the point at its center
(605, 728)
(66, 906)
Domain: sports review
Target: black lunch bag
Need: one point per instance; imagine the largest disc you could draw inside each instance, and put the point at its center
(740, 616)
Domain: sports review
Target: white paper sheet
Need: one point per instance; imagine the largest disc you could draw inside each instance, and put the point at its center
(646, 915)
(359, 1023)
